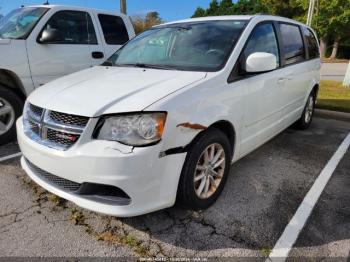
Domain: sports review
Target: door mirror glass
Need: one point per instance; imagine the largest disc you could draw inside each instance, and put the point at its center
(50, 36)
(259, 62)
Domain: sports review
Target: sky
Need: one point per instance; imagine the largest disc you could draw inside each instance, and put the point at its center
(168, 10)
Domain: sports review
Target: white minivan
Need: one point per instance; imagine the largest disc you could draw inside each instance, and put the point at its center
(41, 43)
(165, 116)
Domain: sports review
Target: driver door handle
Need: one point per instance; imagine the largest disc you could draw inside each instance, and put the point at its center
(97, 55)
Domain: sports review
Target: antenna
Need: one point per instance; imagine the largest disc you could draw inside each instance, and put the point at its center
(46, 3)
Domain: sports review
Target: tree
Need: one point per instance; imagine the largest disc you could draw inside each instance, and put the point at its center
(286, 8)
(213, 8)
(152, 18)
(338, 14)
(332, 23)
(248, 7)
(143, 23)
(226, 7)
(200, 12)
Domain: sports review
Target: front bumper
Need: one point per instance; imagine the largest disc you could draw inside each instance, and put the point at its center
(150, 181)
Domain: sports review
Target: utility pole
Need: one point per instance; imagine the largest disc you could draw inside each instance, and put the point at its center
(123, 6)
(310, 13)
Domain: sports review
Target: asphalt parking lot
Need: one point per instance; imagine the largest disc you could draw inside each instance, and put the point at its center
(262, 194)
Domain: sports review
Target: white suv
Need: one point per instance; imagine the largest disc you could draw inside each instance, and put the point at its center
(164, 117)
(41, 43)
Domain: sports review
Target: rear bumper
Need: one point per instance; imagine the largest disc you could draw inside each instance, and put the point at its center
(150, 181)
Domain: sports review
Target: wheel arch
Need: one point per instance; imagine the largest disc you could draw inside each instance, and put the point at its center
(225, 127)
(228, 129)
(10, 80)
(316, 89)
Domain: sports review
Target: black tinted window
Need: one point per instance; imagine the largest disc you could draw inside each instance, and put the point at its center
(311, 44)
(292, 43)
(75, 27)
(114, 29)
(262, 39)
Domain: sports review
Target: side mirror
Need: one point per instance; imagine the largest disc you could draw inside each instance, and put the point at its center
(260, 62)
(50, 36)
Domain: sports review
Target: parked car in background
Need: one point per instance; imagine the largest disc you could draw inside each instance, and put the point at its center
(41, 43)
(166, 115)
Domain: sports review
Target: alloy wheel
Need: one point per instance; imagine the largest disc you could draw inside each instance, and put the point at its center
(309, 109)
(209, 171)
(7, 116)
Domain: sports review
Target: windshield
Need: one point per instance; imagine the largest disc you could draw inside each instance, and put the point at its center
(20, 22)
(201, 46)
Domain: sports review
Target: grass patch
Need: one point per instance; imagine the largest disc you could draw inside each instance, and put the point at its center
(126, 240)
(265, 251)
(77, 217)
(333, 96)
(58, 201)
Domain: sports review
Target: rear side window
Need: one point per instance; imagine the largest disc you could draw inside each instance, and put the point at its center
(292, 41)
(114, 29)
(311, 44)
(75, 27)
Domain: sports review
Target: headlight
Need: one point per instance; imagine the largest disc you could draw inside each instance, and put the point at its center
(134, 129)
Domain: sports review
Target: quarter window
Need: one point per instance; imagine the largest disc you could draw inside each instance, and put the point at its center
(293, 46)
(75, 27)
(114, 29)
(311, 44)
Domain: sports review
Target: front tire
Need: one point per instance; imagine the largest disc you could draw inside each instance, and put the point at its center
(11, 107)
(307, 115)
(205, 170)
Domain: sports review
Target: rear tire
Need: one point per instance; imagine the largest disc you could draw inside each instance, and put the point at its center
(11, 106)
(307, 115)
(205, 170)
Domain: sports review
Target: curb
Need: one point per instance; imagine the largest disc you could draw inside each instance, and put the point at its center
(328, 114)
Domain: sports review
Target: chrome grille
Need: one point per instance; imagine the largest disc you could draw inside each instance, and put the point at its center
(67, 119)
(61, 138)
(37, 111)
(63, 184)
(53, 129)
(35, 128)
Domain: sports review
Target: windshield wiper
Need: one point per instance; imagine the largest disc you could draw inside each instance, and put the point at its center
(107, 63)
(142, 65)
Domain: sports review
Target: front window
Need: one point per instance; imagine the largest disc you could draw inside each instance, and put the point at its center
(20, 22)
(262, 39)
(74, 27)
(196, 46)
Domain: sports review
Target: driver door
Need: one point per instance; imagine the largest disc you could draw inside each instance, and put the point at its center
(72, 53)
(263, 91)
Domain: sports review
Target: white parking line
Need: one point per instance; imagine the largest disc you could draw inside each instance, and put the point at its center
(10, 156)
(286, 241)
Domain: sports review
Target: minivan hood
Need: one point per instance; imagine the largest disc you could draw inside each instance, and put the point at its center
(106, 90)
